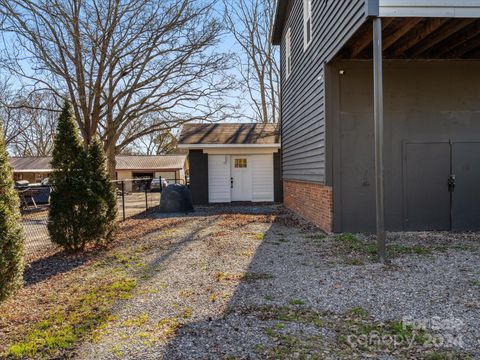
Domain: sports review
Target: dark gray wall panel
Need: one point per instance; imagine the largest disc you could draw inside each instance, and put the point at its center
(424, 102)
(303, 93)
(277, 177)
(198, 162)
(426, 196)
(466, 197)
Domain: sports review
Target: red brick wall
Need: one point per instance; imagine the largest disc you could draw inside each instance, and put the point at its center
(313, 202)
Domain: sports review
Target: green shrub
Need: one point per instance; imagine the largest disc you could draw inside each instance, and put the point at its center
(102, 203)
(11, 234)
(68, 216)
(83, 206)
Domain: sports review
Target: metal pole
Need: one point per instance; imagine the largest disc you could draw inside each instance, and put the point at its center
(160, 190)
(123, 199)
(378, 117)
(146, 196)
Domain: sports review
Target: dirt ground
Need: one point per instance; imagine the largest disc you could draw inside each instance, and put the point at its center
(248, 283)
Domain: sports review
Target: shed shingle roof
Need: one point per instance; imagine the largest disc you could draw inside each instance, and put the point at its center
(229, 134)
(161, 162)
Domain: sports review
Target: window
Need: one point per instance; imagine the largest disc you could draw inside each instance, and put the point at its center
(288, 52)
(240, 163)
(307, 23)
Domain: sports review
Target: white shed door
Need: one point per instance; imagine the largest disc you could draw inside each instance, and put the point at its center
(262, 180)
(241, 178)
(219, 178)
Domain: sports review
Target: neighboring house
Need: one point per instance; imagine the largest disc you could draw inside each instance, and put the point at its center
(233, 162)
(431, 100)
(171, 167)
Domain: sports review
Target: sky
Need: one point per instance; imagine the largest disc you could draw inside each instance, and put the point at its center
(227, 44)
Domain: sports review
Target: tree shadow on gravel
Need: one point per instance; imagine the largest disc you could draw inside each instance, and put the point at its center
(241, 331)
(59, 263)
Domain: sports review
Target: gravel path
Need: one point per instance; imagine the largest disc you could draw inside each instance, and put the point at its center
(236, 283)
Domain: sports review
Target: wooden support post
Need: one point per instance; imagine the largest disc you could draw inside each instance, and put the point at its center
(378, 118)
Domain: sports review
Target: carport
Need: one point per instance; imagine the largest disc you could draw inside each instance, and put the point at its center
(413, 68)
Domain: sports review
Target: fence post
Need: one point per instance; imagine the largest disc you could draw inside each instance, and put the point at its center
(146, 196)
(160, 190)
(123, 199)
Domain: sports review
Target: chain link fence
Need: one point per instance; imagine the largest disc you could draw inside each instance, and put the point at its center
(134, 197)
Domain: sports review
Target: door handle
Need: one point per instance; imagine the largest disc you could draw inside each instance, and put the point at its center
(231, 182)
(451, 183)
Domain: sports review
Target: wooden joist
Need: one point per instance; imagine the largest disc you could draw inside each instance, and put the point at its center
(420, 33)
(419, 38)
(470, 46)
(366, 38)
(443, 33)
(404, 28)
(455, 41)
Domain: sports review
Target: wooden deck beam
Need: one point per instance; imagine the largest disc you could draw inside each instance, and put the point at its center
(365, 39)
(443, 33)
(419, 34)
(404, 29)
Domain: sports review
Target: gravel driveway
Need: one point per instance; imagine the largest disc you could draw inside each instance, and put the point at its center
(253, 282)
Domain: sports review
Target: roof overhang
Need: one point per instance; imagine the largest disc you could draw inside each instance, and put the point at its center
(220, 146)
(151, 169)
(281, 7)
(24, 171)
(429, 8)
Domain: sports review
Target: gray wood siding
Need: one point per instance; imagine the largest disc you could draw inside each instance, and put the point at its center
(303, 93)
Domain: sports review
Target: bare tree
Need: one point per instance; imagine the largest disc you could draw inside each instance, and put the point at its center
(12, 125)
(40, 111)
(29, 120)
(120, 61)
(163, 143)
(249, 21)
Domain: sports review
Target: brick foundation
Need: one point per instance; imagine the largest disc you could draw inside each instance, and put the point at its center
(313, 202)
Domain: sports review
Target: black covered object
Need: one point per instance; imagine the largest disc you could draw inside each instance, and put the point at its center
(176, 198)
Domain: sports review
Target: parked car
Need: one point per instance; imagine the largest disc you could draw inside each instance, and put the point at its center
(157, 186)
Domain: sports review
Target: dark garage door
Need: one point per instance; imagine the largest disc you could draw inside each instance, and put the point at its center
(430, 203)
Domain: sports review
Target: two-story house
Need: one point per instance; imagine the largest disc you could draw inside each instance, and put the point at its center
(381, 107)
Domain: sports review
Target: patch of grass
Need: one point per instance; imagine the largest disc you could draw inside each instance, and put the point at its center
(359, 311)
(353, 324)
(355, 262)
(296, 302)
(136, 321)
(293, 346)
(250, 277)
(357, 250)
(317, 237)
(403, 249)
(187, 313)
(260, 236)
(225, 276)
(168, 327)
(476, 282)
(62, 328)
